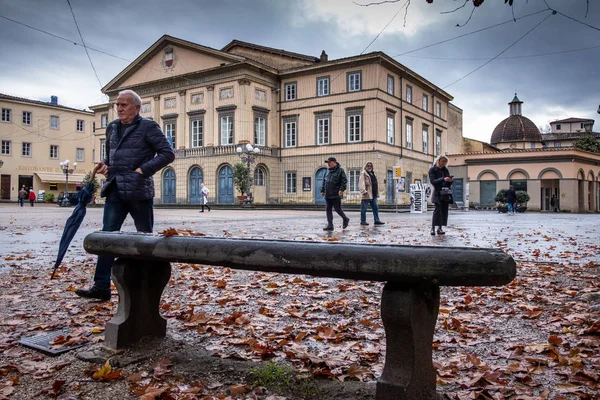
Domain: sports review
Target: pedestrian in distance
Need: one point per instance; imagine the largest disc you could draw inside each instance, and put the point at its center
(441, 180)
(554, 203)
(333, 188)
(204, 199)
(136, 148)
(369, 190)
(23, 195)
(511, 198)
(31, 197)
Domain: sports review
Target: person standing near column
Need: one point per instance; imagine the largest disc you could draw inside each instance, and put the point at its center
(136, 148)
(368, 188)
(334, 186)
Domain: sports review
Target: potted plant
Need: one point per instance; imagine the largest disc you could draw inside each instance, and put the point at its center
(522, 199)
(501, 205)
(49, 197)
(240, 180)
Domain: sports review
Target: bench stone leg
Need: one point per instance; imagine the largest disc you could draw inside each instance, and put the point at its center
(140, 285)
(409, 314)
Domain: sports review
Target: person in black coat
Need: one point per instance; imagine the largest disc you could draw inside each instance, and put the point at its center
(333, 188)
(439, 177)
(511, 199)
(136, 148)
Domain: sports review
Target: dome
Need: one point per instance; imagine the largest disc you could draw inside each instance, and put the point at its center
(516, 128)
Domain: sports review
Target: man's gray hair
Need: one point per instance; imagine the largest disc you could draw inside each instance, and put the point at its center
(136, 97)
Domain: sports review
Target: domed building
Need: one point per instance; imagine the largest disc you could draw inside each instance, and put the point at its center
(516, 131)
(542, 165)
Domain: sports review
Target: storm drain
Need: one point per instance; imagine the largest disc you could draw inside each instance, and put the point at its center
(42, 342)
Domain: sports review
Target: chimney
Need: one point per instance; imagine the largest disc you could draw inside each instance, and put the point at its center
(324, 56)
(54, 100)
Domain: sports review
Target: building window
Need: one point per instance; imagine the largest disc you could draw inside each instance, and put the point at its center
(558, 127)
(290, 127)
(26, 118)
(354, 81)
(26, 149)
(353, 176)
(146, 107)
(54, 152)
(581, 125)
(226, 93)
(103, 120)
(290, 183)
(259, 176)
(170, 102)
(323, 123)
(425, 102)
(425, 139)
(226, 127)
(80, 125)
(408, 181)
(260, 129)
(80, 154)
(438, 109)
(171, 132)
(6, 114)
(390, 85)
(438, 143)
(409, 139)
(6, 147)
(290, 91)
(390, 129)
(354, 126)
(409, 94)
(54, 122)
(197, 98)
(197, 132)
(519, 184)
(102, 149)
(323, 86)
(557, 144)
(260, 94)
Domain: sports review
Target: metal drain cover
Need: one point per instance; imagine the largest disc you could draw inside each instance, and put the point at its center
(42, 342)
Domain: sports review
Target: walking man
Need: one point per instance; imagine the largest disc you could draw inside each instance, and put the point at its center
(334, 186)
(136, 149)
(204, 196)
(511, 198)
(368, 188)
(23, 195)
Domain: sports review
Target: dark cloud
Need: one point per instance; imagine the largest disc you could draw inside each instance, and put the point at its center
(552, 86)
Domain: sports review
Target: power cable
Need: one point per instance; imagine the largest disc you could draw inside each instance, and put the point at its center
(502, 52)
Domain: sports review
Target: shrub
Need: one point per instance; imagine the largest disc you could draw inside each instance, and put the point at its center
(240, 177)
(501, 196)
(49, 197)
(522, 197)
(96, 183)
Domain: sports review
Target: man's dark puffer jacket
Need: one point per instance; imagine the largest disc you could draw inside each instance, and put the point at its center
(144, 146)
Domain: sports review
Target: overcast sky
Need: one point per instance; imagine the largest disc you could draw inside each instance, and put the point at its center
(555, 68)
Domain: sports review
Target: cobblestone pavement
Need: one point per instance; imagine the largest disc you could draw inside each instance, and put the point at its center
(530, 236)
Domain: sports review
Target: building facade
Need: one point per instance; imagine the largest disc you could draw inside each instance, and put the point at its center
(36, 136)
(297, 109)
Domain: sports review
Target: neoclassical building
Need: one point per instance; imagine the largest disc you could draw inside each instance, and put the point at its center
(297, 109)
(35, 137)
(541, 164)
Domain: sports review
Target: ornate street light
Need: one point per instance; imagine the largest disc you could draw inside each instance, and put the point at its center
(1, 163)
(248, 155)
(66, 169)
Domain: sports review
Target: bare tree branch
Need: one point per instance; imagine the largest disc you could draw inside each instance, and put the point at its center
(470, 16)
(376, 3)
(456, 9)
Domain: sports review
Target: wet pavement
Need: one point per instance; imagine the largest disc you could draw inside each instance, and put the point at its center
(527, 237)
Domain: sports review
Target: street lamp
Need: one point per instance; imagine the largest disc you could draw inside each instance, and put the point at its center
(248, 155)
(66, 169)
(1, 163)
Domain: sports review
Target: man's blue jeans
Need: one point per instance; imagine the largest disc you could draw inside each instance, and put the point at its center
(363, 210)
(510, 207)
(115, 212)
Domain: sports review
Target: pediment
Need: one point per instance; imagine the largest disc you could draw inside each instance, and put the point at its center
(169, 57)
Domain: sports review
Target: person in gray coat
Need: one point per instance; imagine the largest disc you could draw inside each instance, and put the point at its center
(136, 149)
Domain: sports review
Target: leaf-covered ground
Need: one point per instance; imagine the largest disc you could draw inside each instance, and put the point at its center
(537, 338)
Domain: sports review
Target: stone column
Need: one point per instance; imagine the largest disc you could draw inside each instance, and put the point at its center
(211, 131)
(534, 188)
(182, 125)
(156, 109)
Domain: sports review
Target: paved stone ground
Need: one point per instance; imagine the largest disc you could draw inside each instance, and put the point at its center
(531, 236)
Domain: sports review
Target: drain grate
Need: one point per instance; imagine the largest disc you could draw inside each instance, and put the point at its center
(42, 342)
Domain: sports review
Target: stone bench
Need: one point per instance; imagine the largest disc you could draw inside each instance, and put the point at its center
(409, 303)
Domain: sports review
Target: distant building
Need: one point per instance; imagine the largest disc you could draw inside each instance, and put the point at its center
(36, 136)
(298, 109)
(541, 164)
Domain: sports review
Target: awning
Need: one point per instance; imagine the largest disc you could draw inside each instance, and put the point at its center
(52, 177)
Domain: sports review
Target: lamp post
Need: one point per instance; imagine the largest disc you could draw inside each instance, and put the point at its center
(248, 155)
(66, 169)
